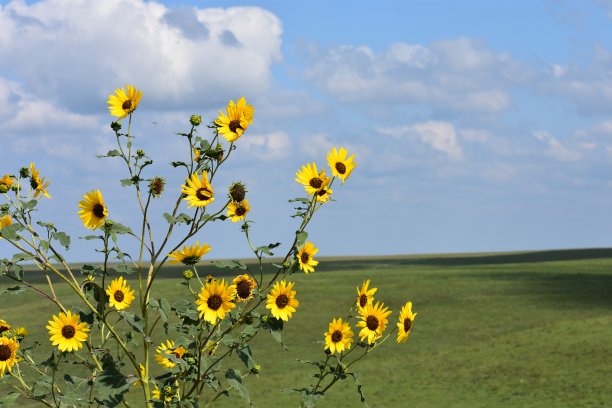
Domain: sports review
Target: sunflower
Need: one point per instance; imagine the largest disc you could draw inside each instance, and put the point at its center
(198, 190)
(238, 211)
(238, 118)
(282, 301)
(244, 285)
(8, 354)
(4, 221)
(340, 165)
(406, 318)
(163, 350)
(215, 300)
(323, 195)
(21, 332)
(373, 322)
(339, 336)
(67, 332)
(93, 210)
(120, 294)
(364, 296)
(305, 257)
(123, 103)
(5, 183)
(39, 185)
(189, 255)
(4, 326)
(311, 179)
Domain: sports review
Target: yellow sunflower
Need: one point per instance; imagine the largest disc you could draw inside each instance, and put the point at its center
(215, 300)
(244, 285)
(4, 326)
(340, 165)
(21, 332)
(5, 183)
(198, 190)
(238, 118)
(305, 257)
(38, 184)
(8, 354)
(282, 301)
(373, 322)
(238, 211)
(323, 195)
(123, 103)
(339, 336)
(189, 255)
(364, 296)
(311, 179)
(406, 318)
(4, 221)
(93, 211)
(163, 350)
(67, 332)
(119, 293)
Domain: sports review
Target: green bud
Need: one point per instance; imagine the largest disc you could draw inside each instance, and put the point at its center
(190, 360)
(24, 172)
(256, 369)
(168, 390)
(188, 274)
(108, 226)
(4, 208)
(140, 153)
(116, 126)
(3, 188)
(195, 120)
(264, 319)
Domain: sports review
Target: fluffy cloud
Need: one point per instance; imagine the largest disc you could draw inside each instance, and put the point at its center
(555, 148)
(458, 74)
(75, 52)
(440, 136)
(271, 146)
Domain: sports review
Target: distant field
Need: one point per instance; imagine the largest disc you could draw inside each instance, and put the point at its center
(527, 329)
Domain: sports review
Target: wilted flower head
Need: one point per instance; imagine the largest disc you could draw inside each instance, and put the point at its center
(237, 191)
(156, 186)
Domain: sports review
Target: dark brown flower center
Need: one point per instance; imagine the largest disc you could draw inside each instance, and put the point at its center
(340, 168)
(321, 192)
(191, 260)
(240, 211)
(203, 194)
(336, 336)
(98, 210)
(119, 296)
(316, 182)
(372, 322)
(243, 289)
(3, 328)
(214, 302)
(34, 183)
(234, 125)
(305, 257)
(407, 324)
(282, 301)
(363, 300)
(127, 105)
(5, 352)
(68, 331)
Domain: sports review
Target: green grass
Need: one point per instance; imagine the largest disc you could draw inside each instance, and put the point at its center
(526, 329)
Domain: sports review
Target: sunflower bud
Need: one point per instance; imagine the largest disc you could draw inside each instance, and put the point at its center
(3, 188)
(140, 153)
(116, 126)
(24, 172)
(256, 369)
(156, 186)
(168, 390)
(190, 360)
(4, 208)
(195, 120)
(108, 226)
(188, 274)
(237, 191)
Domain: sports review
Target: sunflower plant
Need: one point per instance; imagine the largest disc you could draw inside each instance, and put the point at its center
(118, 339)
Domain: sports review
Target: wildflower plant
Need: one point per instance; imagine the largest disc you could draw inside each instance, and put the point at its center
(106, 338)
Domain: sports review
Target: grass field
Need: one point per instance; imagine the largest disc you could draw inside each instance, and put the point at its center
(530, 329)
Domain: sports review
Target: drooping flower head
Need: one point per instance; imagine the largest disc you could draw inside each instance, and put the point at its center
(373, 322)
(239, 117)
(340, 165)
(339, 336)
(5, 183)
(215, 299)
(244, 285)
(305, 257)
(198, 190)
(8, 354)
(38, 184)
(281, 300)
(406, 319)
(238, 211)
(311, 179)
(189, 255)
(119, 293)
(93, 211)
(123, 102)
(67, 332)
(323, 195)
(365, 296)
(164, 350)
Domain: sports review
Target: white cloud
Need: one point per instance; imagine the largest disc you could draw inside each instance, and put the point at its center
(77, 52)
(271, 146)
(439, 135)
(474, 135)
(556, 149)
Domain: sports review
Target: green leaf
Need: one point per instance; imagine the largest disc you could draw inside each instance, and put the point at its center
(162, 306)
(169, 218)
(121, 229)
(10, 231)
(179, 163)
(9, 400)
(235, 381)
(126, 182)
(302, 200)
(136, 322)
(309, 399)
(13, 290)
(266, 249)
(111, 386)
(62, 238)
(275, 327)
(244, 353)
(230, 264)
(359, 388)
(111, 153)
(42, 387)
(301, 237)
(29, 205)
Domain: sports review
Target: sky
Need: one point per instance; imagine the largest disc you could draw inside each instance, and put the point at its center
(476, 125)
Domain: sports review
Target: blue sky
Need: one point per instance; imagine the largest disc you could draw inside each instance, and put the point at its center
(477, 125)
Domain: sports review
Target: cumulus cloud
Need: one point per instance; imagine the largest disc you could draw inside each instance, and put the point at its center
(459, 74)
(555, 148)
(440, 136)
(76, 52)
(268, 147)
